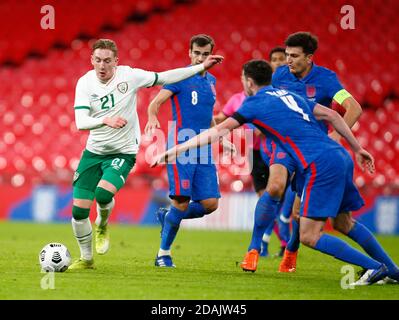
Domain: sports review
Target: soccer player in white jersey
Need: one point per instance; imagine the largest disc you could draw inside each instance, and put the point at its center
(105, 104)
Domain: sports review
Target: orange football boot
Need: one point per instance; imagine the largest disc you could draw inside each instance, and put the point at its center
(288, 264)
(250, 261)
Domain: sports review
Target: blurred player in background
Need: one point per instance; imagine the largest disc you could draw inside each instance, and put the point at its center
(105, 104)
(290, 121)
(277, 57)
(193, 182)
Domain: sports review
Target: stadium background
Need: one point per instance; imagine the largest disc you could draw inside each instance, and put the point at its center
(40, 145)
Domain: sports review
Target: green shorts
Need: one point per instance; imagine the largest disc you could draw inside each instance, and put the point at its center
(92, 168)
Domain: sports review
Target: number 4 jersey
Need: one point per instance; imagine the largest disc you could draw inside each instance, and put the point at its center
(117, 97)
(288, 119)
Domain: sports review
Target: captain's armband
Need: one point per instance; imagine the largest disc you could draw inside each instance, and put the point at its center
(341, 96)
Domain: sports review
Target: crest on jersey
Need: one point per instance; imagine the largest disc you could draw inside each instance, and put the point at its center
(310, 91)
(281, 155)
(185, 183)
(122, 87)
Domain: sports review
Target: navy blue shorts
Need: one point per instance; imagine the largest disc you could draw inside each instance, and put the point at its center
(328, 186)
(274, 154)
(298, 182)
(279, 156)
(196, 181)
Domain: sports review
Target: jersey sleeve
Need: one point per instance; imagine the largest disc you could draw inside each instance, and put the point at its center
(143, 78)
(82, 100)
(245, 114)
(333, 85)
(173, 87)
(311, 104)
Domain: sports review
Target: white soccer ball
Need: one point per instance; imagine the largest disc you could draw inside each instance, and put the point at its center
(54, 257)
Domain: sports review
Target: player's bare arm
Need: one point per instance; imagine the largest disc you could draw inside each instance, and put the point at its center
(153, 110)
(352, 114)
(353, 111)
(363, 158)
(219, 117)
(209, 136)
(176, 75)
(228, 147)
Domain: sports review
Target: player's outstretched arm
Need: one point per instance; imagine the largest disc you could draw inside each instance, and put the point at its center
(363, 158)
(179, 74)
(209, 136)
(228, 147)
(220, 117)
(153, 110)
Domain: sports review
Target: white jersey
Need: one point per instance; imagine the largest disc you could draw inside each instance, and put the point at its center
(118, 97)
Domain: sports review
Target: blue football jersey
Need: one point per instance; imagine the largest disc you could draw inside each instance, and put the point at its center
(193, 101)
(320, 85)
(288, 119)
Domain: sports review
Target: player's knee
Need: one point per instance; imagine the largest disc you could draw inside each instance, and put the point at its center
(308, 239)
(211, 206)
(275, 188)
(342, 225)
(182, 206)
(79, 213)
(103, 196)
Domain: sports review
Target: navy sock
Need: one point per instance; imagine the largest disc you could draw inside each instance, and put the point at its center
(285, 214)
(269, 230)
(195, 210)
(265, 213)
(342, 251)
(361, 235)
(284, 229)
(171, 226)
(286, 208)
(293, 244)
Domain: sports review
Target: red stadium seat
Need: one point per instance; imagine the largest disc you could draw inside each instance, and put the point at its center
(38, 114)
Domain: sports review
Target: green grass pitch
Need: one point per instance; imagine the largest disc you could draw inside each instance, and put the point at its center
(205, 260)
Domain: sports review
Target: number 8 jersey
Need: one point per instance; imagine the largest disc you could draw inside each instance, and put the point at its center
(117, 97)
(193, 100)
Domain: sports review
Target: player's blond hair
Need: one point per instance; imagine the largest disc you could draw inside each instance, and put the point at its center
(105, 44)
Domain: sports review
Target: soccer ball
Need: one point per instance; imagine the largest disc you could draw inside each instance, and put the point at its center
(54, 257)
